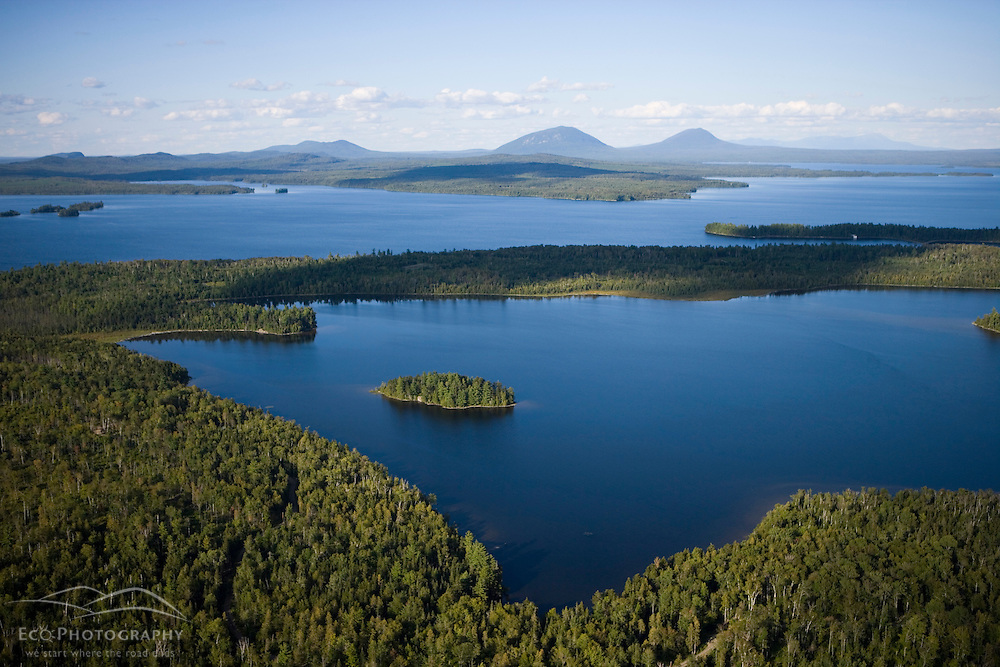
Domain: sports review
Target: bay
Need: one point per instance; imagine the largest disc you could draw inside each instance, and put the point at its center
(642, 427)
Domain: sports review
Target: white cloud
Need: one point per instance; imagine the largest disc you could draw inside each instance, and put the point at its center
(92, 82)
(546, 85)
(17, 103)
(596, 85)
(581, 98)
(740, 110)
(502, 112)
(51, 118)
(370, 97)
(126, 109)
(658, 109)
(474, 96)
(257, 84)
(363, 96)
(211, 110)
(801, 108)
(892, 110)
(969, 115)
(273, 112)
(667, 110)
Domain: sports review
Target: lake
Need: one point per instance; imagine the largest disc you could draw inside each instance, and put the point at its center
(319, 221)
(642, 427)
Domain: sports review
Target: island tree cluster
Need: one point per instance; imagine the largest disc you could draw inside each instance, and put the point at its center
(990, 321)
(448, 390)
(71, 211)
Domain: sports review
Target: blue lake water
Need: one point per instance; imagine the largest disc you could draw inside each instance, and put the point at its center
(643, 427)
(318, 221)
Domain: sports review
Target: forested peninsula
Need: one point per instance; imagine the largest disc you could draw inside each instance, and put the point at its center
(990, 321)
(143, 296)
(83, 186)
(856, 232)
(281, 547)
(447, 390)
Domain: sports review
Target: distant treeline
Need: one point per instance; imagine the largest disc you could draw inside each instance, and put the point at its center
(62, 185)
(858, 231)
(449, 390)
(570, 179)
(651, 271)
(180, 294)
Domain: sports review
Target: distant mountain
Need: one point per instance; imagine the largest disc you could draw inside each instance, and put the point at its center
(695, 139)
(689, 145)
(864, 142)
(562, 140)
(166, 167)
(340, 149)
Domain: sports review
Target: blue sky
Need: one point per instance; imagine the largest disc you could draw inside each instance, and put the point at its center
(123, 78)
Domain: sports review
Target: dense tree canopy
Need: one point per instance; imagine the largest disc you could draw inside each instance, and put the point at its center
(857, 231)
(279, 546)
(989, 321)
(163, 294)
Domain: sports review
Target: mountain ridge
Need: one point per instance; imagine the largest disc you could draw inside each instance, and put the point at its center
(694, 145)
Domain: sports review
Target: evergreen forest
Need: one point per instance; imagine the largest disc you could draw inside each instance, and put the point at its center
(448, 390)
(989, 321)
(278, 546)
(857, 231)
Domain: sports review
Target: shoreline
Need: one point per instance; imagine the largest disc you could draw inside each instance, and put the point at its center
(258, 332)
(420, 401)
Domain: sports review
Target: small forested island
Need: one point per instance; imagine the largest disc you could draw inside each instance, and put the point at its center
(9, 214)
(856, 232)
(71, 211)
(448, 390)
(989, 321)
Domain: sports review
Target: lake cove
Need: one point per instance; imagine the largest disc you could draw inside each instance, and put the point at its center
(642, 427)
